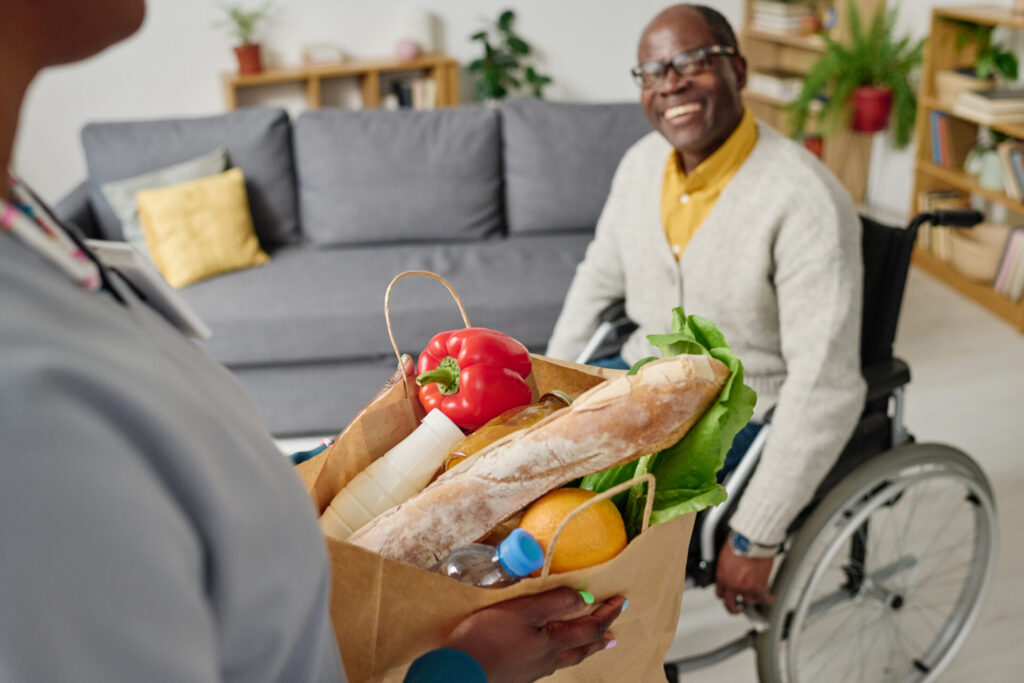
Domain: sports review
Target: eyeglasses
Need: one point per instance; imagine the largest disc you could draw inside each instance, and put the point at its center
(686, 64)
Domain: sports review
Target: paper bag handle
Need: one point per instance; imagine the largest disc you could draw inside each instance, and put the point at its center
(387, 304)
(613, 491)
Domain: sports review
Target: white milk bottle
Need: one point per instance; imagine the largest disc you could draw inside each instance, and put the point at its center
(393, 478)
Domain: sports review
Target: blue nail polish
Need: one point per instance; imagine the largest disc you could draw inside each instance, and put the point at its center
(624, 606)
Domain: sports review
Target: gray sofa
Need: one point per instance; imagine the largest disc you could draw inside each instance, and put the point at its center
(501, 202)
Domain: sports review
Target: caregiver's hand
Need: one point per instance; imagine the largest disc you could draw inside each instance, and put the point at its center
(530, 637)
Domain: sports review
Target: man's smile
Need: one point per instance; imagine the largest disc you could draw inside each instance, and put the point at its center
(678, 113)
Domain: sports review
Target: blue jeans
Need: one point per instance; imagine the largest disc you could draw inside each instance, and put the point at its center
(740, 444)
(611, 362)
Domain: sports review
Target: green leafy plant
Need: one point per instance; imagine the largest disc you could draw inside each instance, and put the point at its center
(991, 57)
(874, 57)
(501, 71)
(241, 23)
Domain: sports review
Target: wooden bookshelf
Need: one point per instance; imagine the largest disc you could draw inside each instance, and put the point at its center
(941, 54)
(847, 154)
(443, 70)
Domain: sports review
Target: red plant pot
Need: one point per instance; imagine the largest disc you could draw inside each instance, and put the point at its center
(871, 108)
(249, 59)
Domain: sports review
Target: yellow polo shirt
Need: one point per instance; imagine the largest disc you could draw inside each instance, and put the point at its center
(686, 200)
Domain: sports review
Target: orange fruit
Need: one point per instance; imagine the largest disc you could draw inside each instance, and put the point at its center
(593, 536)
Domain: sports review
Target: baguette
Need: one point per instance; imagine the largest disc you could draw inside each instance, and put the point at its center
(611, 424)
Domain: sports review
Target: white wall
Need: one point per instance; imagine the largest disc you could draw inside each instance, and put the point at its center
(172, 67)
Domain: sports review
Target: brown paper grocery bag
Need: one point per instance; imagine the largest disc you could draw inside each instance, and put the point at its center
(386, 614)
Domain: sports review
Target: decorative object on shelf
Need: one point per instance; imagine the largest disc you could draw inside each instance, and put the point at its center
(501, 71)
(871, 72)
(991, 57)
(949, 83)
(983, 161)
(415, 33)
(241, 24)
(816, 145)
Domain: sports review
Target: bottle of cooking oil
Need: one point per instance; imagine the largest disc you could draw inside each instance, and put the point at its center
(393, 478)
(512, 420)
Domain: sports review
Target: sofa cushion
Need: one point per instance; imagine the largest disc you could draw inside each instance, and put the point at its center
(559, 160)
(446, 162)
(257, 140)
(328, 304)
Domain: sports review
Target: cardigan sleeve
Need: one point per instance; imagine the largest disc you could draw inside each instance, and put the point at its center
(818, 282)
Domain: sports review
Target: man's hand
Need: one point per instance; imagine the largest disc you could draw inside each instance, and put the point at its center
(742, 579)
(529, 638)
(407, 370)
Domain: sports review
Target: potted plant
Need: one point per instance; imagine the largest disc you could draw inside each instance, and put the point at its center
(501, 70)
(870, 73)
(241, 24)
(991, 59)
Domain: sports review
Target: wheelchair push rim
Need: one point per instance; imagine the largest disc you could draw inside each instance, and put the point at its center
(891, 574)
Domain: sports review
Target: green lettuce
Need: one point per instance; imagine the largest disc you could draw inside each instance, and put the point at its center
(685, 472)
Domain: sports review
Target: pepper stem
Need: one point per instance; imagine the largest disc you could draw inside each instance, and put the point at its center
(445, 375)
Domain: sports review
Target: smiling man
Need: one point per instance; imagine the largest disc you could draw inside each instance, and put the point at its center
(735, 222)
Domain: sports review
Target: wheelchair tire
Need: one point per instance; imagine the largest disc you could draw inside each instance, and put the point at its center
(888, 593)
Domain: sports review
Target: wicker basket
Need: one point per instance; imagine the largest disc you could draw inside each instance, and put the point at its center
(975, 252)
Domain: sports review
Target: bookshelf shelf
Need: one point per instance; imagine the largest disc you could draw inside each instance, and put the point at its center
(847, 154)
(941, 53)
(443, 70)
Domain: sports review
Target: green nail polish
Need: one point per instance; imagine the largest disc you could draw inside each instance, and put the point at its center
(587, 597)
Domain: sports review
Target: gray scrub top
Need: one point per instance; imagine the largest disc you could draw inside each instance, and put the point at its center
(149, 528)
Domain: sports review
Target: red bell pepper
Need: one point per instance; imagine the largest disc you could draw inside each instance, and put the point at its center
(473, 375)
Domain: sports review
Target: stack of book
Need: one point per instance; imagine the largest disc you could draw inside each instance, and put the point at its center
(778, 84)
(780, 17)
(1009, 279)
(935, 238)
(991, 107)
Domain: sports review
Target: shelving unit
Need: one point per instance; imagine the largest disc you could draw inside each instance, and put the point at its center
(847, 154)
(443, 70)
(941, 54)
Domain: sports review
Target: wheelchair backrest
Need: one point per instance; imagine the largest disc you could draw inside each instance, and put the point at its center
(887, 253)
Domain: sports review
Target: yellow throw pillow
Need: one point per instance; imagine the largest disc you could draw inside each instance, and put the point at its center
(200, 228)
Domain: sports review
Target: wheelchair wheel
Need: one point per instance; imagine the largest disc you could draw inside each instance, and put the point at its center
(888, 574)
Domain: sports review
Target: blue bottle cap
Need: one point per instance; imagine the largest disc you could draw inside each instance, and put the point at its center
(520, 554)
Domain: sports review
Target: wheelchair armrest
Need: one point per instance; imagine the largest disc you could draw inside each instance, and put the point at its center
(884, 377)
(613, 312)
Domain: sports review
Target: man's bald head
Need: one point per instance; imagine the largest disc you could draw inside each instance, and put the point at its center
(717, 25)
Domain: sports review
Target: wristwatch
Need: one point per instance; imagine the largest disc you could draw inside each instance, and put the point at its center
(744, 547)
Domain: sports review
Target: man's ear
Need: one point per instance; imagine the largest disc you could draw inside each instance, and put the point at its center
(739, 67)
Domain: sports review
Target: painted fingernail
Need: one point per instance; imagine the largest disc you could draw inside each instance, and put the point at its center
(611, 643)
(624, 606)
(587, 597)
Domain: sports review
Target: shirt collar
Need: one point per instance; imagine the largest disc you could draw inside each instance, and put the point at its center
(725, 160)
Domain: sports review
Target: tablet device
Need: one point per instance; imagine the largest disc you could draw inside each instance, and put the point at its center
(151, 286)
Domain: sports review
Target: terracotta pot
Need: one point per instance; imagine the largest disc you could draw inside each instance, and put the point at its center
(815, 144)
(871, 107)
(249, 59)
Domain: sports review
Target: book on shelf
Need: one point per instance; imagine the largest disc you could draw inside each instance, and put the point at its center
(776, 83)
(1012, 254)
(940, 137)
(970, 105)
(781, 9)
(412, 93)
(1015, 283)
(994, 101)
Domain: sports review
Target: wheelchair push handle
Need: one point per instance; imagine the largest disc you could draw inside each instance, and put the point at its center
(957, 218)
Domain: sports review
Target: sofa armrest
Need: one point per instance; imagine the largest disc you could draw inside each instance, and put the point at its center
(75, 208)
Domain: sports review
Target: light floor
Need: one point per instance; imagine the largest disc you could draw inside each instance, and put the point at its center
(967, 390)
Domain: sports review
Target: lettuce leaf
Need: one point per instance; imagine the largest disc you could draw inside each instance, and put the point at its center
(685, 472)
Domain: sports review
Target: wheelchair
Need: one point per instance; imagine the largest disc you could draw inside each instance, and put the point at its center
(884, 573)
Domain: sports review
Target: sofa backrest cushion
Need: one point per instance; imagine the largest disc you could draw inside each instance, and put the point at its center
(258, 141)
(398, 176)
(559, 159)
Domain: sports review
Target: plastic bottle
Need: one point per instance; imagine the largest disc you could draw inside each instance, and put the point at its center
(492, 567)
(512, 420)
(393, 478)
